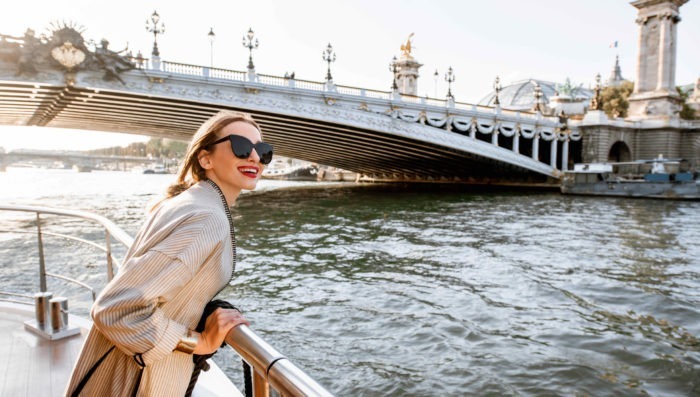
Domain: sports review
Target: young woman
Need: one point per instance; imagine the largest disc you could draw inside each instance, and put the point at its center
(143, 336)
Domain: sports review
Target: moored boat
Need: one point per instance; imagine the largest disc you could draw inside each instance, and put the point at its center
(336, 174)
(305, 172)
(82, 168)
(156, 169)
(657, 178)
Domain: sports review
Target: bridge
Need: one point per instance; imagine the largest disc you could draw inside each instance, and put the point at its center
(384, 136)
(70, 158)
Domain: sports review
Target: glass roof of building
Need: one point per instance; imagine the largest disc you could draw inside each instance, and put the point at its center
(521, 94)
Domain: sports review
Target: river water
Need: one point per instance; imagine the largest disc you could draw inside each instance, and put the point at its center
(398, 291)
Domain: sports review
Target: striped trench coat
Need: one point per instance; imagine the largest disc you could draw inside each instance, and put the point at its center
(181, 258)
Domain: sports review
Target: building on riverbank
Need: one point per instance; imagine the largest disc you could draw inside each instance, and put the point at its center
(653, 125)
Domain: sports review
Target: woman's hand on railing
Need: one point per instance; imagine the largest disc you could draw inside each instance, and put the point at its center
(217, 326)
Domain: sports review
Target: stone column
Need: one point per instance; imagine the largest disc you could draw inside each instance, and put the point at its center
(663, 64)
(565, 154)
(536, 147)
(640, 70)
(155, 62)
(553, 153)
(655, 93)
(407, 75)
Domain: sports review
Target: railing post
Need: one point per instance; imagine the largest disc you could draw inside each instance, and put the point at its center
(42, 263)
(108, 248)
(260, 386)
(271, 370)
(516, 142)
(565, 155)
(536, 147)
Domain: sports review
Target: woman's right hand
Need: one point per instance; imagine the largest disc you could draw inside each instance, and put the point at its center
(217, 326)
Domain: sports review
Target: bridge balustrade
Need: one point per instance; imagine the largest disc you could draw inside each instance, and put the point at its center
(233, 75)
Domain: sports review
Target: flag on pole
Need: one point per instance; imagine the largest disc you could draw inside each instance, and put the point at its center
(613, 44)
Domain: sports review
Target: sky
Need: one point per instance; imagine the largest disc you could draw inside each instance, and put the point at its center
(514, 39)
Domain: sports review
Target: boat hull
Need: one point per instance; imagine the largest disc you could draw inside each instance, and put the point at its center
(664, 190)
(303, 173)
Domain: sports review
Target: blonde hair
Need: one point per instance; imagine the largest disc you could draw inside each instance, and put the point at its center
(191, 171)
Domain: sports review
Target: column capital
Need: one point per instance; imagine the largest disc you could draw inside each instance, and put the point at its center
(640, 4)
(662, 9)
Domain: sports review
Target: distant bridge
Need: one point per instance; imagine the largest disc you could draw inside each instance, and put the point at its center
(384, 136)
(68, 157)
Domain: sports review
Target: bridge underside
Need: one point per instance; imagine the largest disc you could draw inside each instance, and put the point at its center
(377, 155)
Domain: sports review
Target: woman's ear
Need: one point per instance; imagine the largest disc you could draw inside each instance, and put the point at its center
(204, 160)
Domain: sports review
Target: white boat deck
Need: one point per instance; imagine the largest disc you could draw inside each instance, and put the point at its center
(31, 365)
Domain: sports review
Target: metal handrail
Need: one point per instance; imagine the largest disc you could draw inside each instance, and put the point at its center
(67, 237)
(270, 368)
(72, 280)
(110, 229)
(119, 234)
(17, 295)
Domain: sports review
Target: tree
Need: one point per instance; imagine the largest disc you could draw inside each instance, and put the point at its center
(155, 147)
(686, 113)
(614, 99)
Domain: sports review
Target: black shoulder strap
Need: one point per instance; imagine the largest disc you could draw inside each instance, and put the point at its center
(89, 373)
(135, 391)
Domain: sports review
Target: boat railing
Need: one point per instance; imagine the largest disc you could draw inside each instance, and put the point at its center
(266, 367)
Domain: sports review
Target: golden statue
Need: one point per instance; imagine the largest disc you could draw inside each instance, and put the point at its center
(406, 47)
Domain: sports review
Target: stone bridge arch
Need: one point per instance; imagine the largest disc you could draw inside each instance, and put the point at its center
(619, 152)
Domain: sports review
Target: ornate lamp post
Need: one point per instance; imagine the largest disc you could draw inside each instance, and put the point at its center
(211, 37)
(595, 101)
(394, 68)
(329, 56)
(497, 87)
(449, 78)
(156, 27)
(250, 44)
(435, 76)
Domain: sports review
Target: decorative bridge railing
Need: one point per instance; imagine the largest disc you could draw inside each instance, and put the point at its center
(207, 72)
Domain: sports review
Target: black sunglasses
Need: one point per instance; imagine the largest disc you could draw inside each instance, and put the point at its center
(242, 148)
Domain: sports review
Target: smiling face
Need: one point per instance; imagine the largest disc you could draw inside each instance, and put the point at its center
(229, 172)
